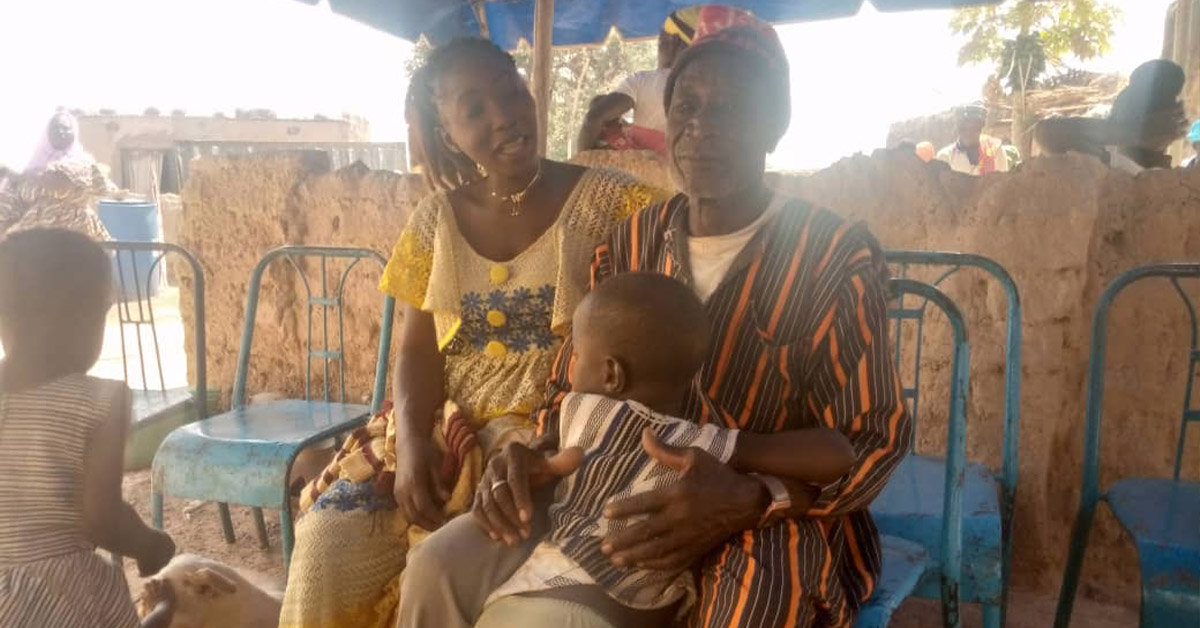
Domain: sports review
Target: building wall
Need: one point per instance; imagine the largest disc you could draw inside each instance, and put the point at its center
(1063, 226)
(1181, 44)
(106, 136)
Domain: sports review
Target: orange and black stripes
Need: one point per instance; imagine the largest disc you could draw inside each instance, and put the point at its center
(799, 341)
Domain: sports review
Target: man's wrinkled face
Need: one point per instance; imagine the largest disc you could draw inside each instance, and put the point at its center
(718, 126)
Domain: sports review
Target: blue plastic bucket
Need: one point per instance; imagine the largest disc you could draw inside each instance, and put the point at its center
(134, 274)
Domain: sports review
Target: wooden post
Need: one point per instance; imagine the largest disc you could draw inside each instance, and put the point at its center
(543, 58)
(1183, 23)
(1168, 51)
(481, 17)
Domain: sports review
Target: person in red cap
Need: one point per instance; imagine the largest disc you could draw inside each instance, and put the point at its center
(642, 92)
(974, 152)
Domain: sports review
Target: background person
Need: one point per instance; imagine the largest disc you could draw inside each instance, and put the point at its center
(1146, 118)
(642, 92)
(973, 152)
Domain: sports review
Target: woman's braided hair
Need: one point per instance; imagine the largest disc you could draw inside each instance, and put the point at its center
(444, 169)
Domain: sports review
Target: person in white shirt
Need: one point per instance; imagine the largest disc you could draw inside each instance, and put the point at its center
(1146, 118)
(974, 153)
(642, 92)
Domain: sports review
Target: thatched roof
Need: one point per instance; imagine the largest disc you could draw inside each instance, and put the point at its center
(1076, 94)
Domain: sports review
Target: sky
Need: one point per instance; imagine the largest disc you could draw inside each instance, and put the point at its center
(851, 78)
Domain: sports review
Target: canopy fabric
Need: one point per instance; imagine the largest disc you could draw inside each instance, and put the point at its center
(585, 21)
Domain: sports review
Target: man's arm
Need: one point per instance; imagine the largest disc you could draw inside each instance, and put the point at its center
(603, 110)
(817, 456)
(1085, 135)
(854, 387)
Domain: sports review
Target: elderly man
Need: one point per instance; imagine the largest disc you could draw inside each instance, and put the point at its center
(974, 153)
(796, 299)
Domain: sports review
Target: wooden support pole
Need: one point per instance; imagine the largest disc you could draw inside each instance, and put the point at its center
(543, 58)
(1183, 44)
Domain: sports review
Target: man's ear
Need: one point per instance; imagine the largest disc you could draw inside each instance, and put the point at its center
(616, 377)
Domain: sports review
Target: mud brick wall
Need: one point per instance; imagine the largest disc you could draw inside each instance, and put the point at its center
(237, 209)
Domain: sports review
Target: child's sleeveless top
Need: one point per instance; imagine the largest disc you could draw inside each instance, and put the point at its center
(50, 575)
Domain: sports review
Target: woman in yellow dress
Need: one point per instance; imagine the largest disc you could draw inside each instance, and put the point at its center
(489, 270)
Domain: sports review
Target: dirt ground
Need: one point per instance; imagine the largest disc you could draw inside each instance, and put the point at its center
(196, 529)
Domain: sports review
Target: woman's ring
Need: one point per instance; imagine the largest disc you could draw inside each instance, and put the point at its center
(497, 484)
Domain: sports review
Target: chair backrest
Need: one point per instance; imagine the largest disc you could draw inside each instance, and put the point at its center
(329, 298)
(137, 274)
(951, 540)
(951, 263)
(1096, 365)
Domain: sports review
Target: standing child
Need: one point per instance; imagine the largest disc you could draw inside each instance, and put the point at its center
(62, 436)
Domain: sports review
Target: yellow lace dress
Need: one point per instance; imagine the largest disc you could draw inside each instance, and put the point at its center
(500, 325)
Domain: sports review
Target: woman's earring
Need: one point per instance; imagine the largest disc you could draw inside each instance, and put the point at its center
(483, 173)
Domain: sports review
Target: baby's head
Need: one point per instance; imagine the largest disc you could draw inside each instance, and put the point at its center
(55, 292)
(639, 336)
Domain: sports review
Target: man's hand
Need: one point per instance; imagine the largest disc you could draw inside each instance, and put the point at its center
(1162, 128)
(688, 519)
(503, 502)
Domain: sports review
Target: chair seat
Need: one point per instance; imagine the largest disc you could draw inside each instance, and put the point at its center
(243, 456)
(150, 405)
(156, 414)
(910, 507)
(904, 563)
(1163, 517)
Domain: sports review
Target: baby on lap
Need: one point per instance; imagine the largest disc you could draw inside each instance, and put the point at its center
(640, 341)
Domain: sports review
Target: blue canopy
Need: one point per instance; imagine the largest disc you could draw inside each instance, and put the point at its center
(585, 21)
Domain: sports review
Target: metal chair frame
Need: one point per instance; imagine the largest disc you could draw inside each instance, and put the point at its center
(145, 313)
(1091, 493)
(877, 612)
(1007, 478)
(333, 366)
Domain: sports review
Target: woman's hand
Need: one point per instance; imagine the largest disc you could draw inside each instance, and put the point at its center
(418, 489)
(710, 503)
(503, 502)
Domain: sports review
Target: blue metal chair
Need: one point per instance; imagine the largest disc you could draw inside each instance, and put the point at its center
(245, 456)
(910, 506)
(156, 408)
(1162, 515)
(908, 562)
